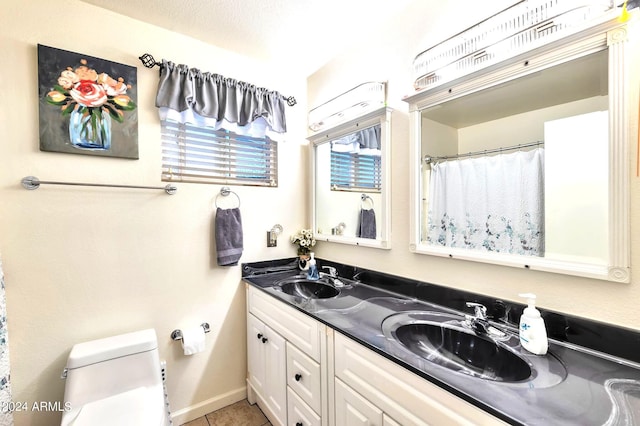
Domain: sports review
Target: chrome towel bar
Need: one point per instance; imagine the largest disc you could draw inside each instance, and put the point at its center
(32, 182)
(177, 334)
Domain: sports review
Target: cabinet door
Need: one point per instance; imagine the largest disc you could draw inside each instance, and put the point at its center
(256, 353)
(276, 374)
(353, 410)
(267, 365)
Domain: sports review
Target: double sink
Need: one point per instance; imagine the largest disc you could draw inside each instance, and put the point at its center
(443, 338)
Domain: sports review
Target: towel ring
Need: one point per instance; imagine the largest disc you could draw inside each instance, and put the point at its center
(364, 198)
(225, 191)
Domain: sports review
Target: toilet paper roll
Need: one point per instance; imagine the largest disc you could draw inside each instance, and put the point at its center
(193, 340)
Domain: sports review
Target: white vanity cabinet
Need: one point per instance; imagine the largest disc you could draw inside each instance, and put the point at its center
(287, 373)
(372, 390)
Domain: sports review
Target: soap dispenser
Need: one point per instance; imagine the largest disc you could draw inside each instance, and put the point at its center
(312, 273)
(533, 334)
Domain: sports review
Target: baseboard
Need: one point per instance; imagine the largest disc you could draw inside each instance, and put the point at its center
(192, 412)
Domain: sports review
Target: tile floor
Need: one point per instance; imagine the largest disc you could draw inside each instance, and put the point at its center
(239, 414)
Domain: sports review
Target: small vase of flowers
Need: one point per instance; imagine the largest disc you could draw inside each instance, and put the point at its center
(304, 240)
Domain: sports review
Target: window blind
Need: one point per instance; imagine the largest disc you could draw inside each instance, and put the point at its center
(205, 155)
(357, 172)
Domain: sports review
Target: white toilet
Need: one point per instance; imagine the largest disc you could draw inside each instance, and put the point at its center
(115, 381)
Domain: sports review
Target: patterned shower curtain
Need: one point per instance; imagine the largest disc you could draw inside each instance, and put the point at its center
(6, 417)
(492, 204)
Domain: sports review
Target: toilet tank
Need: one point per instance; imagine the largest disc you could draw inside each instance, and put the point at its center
(106, 367)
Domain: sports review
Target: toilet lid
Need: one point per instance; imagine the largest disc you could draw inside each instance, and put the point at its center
(137, 407)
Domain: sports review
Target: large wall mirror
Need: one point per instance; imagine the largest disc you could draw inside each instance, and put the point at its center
(350, 201)
(525, 163)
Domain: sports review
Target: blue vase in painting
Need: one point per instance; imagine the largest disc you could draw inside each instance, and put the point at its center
(90, 130)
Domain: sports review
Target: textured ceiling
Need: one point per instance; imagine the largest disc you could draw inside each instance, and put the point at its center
(301, 34)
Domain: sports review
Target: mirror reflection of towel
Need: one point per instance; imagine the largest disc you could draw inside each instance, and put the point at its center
(367, 224)
(228, 236)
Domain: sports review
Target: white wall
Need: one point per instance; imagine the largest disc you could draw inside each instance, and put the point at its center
(389, 57)
(84, 263)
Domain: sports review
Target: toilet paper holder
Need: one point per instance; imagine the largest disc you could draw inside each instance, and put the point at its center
(177, 334)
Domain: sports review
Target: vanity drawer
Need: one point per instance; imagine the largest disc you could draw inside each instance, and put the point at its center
(301, 330)
(303, 376)
(299, 413)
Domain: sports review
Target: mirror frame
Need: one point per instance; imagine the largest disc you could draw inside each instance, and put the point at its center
(381, 116)
(609, 34)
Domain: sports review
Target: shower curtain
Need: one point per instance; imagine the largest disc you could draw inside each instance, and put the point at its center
(6, 417)
(492, 204)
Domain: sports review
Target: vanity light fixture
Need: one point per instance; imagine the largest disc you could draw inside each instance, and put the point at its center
(358, 101)
(517, 29)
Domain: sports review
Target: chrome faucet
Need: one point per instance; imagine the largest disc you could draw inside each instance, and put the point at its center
(332, 275)
(479, 322)
(333, 272)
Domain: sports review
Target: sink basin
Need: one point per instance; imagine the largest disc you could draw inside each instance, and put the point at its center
(462, 351)
(441, 339)
(305, 288)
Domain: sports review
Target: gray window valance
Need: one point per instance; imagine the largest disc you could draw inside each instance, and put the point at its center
(365, 141)
(189, 96)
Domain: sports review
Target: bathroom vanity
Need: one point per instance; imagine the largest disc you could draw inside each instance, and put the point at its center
(360, 352)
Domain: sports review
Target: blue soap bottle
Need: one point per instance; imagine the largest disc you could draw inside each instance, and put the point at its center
(312, 272)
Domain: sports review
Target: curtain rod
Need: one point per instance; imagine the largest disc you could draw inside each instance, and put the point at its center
(429, 159)
(149, 62)
(32, 182)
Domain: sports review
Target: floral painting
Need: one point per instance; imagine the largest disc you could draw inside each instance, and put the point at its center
(87, 105)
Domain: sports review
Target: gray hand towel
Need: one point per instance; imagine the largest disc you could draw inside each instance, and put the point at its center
(367, 225)
(228, 236)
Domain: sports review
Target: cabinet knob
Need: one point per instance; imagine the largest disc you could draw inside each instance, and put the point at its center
(259, 335)
(299, 424)
(264, 340)
(298, 377)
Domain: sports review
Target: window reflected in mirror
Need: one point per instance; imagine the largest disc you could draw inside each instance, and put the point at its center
(355, 161)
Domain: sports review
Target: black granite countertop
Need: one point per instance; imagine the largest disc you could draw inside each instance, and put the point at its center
(571, 385)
